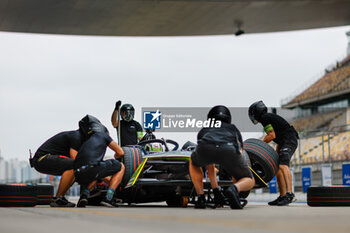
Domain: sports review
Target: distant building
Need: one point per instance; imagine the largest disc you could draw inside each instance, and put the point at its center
(3, 170)
(16, 171)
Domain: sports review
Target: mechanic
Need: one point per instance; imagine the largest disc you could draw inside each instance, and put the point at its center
(89, 166)
(220, 145)
(56, 157)
(285, 136)
(131, 130)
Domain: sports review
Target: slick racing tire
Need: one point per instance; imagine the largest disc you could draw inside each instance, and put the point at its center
(328, 196)
(17, 195)
(132, 159)
(263, 158)
(44, 193)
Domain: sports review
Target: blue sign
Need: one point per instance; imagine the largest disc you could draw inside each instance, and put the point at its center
(273, 185)
(152, 119)
(306, 178)
(346, 174)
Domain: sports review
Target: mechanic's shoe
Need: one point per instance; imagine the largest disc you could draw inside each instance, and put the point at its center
(275, 201)
(200, 203)
(284, 201)
(233, 197)
(219, 198)
(109, 203)
(83, 201)
(61, 202)
(291, 197)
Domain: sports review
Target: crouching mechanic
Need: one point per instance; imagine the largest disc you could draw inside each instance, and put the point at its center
(285, 136)
(56, 157)
(221, 145)
(89, 166)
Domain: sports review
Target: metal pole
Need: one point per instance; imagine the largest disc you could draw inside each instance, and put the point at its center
(118, 117)
(329, 149)
(299, 150)
(323, 147)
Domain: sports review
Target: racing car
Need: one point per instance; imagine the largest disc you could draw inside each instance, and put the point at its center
(156, 170)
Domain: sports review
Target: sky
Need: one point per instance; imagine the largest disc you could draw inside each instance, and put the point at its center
(49, 82)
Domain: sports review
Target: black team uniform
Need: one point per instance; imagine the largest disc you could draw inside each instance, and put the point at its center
(53, 157)
(286, 136)
(89, 165)
(221, 146)
(130, 132)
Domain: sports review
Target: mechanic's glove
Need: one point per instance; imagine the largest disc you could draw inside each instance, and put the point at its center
(117, 105)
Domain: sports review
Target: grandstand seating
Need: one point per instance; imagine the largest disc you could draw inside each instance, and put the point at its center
(322, 121)
(326, 133)
(334, 81)
(311, 149)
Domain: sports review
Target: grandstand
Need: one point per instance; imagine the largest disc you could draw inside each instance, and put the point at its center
(322, 116)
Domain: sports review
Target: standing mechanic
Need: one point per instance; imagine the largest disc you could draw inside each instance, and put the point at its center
(131, 130)
(56, 157)
(285, 136)
(89, 166)
(221, 145)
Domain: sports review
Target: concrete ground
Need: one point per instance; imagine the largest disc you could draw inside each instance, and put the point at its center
(266, 197)
(255, 217)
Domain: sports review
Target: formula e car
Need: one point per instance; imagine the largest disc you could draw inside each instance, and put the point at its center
(157, 171)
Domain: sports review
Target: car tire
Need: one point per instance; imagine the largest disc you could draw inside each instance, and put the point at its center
(328, 196)
(132, 159)
(44, 193)
(17, 195)
(263, 158)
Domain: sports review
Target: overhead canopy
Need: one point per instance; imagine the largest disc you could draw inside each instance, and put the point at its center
(169, 17)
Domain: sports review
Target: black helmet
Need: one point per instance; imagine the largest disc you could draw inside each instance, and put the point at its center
(220, 113)
(256, 110)
(90, 125)
(127, 112)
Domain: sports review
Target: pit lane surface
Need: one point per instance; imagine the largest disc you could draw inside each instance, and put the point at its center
(256, 217)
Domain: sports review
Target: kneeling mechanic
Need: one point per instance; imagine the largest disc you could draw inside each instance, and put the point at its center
(221, 145)
(89, 166)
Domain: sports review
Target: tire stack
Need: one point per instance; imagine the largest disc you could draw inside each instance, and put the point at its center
(23, 195)
(44, 193)
(328, 196)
